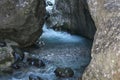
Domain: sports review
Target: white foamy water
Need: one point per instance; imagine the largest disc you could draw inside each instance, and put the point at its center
(52, 1)
(49, 8)
(53, 36)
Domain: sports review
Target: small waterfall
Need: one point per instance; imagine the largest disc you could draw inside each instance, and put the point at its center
(74, 52)
(50, 7)
(51, 36)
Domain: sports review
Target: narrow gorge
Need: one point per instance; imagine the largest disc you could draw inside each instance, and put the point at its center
(59, 39)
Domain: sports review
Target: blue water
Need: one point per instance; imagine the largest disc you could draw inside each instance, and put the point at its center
(60, 49)
(51, 36)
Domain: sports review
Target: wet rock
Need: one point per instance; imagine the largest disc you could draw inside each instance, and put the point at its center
(48, 3)
(21, 20)
(2, 44)
(19, 65)
(35, 62)
(18, 57)
(6, 71)
(64, 72)
(17, 53)
(34, 77)
(47, 16)
(15, 66)
(40, 43)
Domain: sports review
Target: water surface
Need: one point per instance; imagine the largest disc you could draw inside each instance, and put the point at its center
(60, 49)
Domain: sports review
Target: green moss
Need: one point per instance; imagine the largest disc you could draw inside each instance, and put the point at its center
(8, 59)
(6, 56)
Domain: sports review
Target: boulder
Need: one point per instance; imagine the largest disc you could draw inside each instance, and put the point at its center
(21, 20)
(105, 63)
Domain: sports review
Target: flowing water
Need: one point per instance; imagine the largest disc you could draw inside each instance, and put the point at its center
(61, 49)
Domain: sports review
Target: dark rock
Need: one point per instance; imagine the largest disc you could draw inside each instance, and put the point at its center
(49, 3)
(21, 20)
(35, 62)
(47, 15)
(17, 53)
(34, 46)
(15, 66)
(18, 57)
(40, 43)
(20, 65)
(2, 44)
(34, 77)
(64, 72)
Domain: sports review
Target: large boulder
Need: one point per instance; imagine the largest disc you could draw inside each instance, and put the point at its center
(21, 20)
(105, 64)
(72, 16)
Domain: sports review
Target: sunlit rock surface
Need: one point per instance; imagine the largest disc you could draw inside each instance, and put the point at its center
(105, 64)
(21, 20)
(6, 56)
(72, 16)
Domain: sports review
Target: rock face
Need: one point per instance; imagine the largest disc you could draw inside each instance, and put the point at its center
(21, 20)
(105, 64)
(72, 16)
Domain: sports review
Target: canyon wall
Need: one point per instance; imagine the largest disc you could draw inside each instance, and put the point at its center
(105, 63)
(72, 16)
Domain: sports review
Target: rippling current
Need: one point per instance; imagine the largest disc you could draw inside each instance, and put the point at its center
(60, 49)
